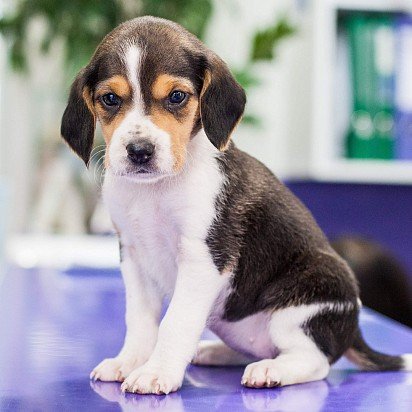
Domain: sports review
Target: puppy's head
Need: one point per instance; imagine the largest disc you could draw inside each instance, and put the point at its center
(152, 86)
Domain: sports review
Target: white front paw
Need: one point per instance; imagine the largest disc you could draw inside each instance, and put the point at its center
(149, 379)
(114, 369)
(261, 374)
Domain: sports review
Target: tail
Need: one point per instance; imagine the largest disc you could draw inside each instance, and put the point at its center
(369, 360)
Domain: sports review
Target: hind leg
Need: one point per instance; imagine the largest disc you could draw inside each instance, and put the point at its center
(216, 353)
(299, 360)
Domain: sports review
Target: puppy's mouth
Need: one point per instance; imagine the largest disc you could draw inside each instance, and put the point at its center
(142, 174)
(139, 173)
(142, 170)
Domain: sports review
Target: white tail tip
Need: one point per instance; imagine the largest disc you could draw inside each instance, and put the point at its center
(407, 359)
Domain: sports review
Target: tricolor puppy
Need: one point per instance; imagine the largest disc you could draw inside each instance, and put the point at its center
(206, 225)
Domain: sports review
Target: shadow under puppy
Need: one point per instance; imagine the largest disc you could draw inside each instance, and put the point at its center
(205, 224)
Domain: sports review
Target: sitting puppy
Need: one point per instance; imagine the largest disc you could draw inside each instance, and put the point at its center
(205, 224)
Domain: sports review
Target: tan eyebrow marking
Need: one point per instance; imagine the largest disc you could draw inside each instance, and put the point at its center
(117, 84)
(165, 83)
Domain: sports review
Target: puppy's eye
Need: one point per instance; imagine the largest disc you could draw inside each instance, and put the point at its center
(177, 97)
(111, 99)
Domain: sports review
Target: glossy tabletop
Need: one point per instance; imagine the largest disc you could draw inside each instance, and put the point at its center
(55, 327)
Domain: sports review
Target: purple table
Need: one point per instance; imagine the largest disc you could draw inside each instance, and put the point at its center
(54, 327)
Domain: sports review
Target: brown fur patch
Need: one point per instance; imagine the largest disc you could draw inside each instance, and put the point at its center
(179, 129)
(206, 82)
(87, 96)
(109, 127)
(165, 83)
(117, 84)
(120, 86)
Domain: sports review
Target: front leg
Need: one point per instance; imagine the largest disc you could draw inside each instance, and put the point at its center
(198, 284)
(143, 306)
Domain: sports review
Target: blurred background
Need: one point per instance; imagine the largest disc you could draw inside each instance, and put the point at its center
(329, 86)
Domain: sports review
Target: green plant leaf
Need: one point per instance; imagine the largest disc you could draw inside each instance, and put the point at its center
(246, 78)
(265, 41)
(252, 120)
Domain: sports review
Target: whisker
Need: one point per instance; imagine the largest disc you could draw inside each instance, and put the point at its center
(99, 167)
(98, 148)
(96, 171)
(94, 157)
(97, 153)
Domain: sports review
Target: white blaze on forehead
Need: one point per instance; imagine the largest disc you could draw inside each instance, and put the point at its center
(133, 59)
(136, 124)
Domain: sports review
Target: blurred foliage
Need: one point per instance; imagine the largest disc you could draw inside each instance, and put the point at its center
(265, 41)
(82, 24)
(245, 77)
(264, 44)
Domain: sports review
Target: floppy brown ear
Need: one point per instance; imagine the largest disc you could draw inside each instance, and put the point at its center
(222, 103)
(79, 121)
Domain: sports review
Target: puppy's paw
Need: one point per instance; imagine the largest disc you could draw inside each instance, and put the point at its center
(216, 353)
(147, 379)
(211, 353)
(114, 369)
(262, 374)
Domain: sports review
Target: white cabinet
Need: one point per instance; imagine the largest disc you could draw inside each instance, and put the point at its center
(326, 160)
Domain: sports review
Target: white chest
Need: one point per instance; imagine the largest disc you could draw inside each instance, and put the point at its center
(148, 231)
(151, 231)
(153, 218)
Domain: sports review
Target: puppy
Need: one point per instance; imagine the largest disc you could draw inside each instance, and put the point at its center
(206, 225)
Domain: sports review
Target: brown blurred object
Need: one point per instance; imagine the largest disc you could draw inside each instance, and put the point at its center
(384, 283)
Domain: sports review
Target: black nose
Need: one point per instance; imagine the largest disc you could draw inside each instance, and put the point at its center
(140, 153)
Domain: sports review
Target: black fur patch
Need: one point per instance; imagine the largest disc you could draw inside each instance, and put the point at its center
(277, 252)
(332, 331)
(78, 123)
(222, 104)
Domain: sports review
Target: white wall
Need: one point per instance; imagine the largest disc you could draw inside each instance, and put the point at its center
(283, 100)
(30, 111)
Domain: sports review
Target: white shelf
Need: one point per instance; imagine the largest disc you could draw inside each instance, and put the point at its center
(365, 171)
(63, 251)
(371, 5)
(324, 163)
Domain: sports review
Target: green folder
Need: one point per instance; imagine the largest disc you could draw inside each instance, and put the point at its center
(371, 45)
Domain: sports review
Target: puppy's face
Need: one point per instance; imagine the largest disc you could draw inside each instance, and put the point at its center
(152, 86)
